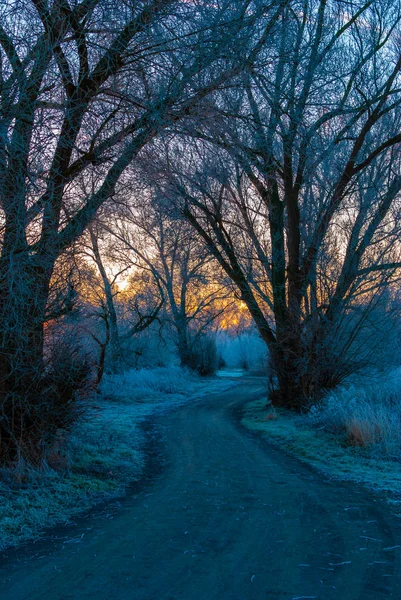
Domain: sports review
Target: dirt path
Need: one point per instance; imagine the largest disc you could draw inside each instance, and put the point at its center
(228, 518)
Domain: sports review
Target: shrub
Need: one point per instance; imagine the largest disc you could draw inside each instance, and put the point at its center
(55, 403)
(206, 356)
(65, 383)
(51, 401)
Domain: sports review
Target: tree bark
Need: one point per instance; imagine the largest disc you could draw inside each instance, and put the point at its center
(23, 295)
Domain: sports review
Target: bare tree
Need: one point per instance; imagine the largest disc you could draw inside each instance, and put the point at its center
(84, 87)
(190, 278)
(120, 325)
(294, 185)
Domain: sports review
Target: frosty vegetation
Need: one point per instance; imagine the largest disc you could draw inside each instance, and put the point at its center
(365, 415)
(103, 455)
(197, 185)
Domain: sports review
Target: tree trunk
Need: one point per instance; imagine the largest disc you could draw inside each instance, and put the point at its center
(286, 364)
(24, 289)
(115, 358)
(102, 356)
(184, 348)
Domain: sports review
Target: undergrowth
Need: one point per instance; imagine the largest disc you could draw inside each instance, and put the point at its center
(367, 415)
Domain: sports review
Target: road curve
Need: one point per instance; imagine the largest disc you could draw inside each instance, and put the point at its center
(228, 518)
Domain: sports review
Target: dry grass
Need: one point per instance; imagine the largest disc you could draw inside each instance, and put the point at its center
(365, 415)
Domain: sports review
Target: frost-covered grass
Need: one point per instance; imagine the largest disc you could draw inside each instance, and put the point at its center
(366, 415)
(151, 383)
(354, 435)
(104, 452)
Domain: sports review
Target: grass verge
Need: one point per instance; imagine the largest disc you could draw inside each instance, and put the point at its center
(327, 452)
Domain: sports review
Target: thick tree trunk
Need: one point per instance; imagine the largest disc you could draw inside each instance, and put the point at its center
(23, 296)
(305, 370)
(287, 366)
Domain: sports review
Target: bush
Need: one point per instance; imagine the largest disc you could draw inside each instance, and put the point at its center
(204, 355)
(51, 401)
(147, 350)
(66, 382)
(55, 404)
